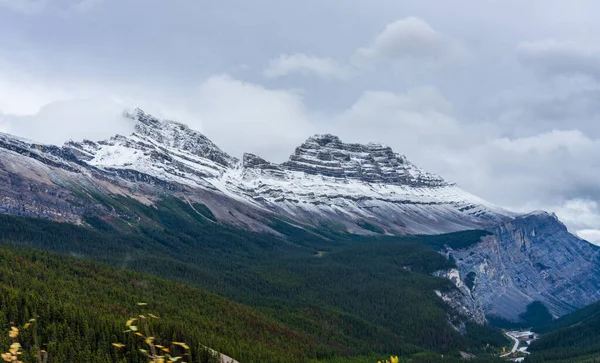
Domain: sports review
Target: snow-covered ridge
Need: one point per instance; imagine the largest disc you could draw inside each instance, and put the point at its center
(363, 188)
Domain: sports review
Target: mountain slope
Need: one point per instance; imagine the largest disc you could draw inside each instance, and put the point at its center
(574, 337)
(81, 309)
(394, 307)
(355, 185)
(359, 188)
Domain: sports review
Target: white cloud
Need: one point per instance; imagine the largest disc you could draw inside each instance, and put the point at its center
(22, 93)
(554, 57)
(569, 141)
(590, 235)
(77, 119)
(3, 125)
(583, 218)
(540, 170)
(399, 119)
(407, 39)
(580, 213)
(246, 117)
(304, 64)
(239, 116)
(563, 102)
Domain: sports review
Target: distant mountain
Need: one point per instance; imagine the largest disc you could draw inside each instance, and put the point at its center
(359, 188)
(325, 186)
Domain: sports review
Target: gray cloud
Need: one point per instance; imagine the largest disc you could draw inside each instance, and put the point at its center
(408, 39)
(555, 57)
(583, 215)
(304, 64)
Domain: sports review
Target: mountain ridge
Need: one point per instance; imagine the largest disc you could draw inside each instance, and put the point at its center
(324, 180)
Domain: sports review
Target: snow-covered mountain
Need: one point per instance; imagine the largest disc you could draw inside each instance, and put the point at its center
(360, 188)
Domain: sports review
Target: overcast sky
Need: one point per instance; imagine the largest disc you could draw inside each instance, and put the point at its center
(502, 97)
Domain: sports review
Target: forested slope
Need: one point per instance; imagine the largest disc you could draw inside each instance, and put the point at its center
(81, 309)
(574, 337)
(352, 295)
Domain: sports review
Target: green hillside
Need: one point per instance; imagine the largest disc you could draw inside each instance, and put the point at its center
(344, 295)
(572, 338)
(81, 309)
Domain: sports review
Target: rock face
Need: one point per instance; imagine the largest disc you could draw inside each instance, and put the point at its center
(372, 163)
(167, 150)
(461, 300)
(531, 258)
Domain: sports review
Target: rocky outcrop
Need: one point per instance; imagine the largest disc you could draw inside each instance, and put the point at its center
(178, 136)
(530, 258)
(461, 301)
(371, 163)
(252, 161)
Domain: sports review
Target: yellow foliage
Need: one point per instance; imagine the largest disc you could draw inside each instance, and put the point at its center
(13, 333)
(393, 359)
(152, 352)
(15, 348)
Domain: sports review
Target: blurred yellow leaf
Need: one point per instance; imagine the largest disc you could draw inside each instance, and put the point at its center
(14, 332)
(183, 345)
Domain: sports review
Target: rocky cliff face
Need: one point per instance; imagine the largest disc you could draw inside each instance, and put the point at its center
(372, 163)
(461, 300)
(531, 258)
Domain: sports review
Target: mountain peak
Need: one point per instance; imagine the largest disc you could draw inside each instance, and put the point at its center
(178, 136)
(256, 162)
(328, 155)
(324, 139)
